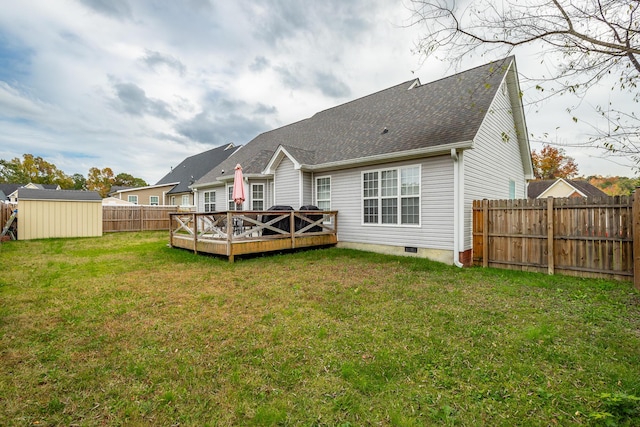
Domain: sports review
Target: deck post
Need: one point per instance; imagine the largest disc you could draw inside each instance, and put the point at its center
(292, 228)
(635, 212)
(195, 233)
(170, 230)
(230, 235)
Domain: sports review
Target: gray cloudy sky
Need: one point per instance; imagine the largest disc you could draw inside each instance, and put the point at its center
(140, 85)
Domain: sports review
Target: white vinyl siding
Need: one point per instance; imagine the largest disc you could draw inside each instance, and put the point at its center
(436, 208)
(307, 189)
(287, 184)
(494, 160)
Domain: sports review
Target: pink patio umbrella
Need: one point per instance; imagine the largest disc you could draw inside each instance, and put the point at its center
(238, 186)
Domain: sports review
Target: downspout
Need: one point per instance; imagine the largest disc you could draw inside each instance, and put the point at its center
(457, 207)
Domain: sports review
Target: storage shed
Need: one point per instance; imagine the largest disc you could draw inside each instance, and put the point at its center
(58, 213)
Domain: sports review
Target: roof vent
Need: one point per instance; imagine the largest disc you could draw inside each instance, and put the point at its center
(385, 130)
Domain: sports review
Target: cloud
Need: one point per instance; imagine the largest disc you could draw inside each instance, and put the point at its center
(265, 109)
(18, 105)
(260, 63)
(134, 101)
(331, 86)
(156, 60)
(114, 8)
(225, 120)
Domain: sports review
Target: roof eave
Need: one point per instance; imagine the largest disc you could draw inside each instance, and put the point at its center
(389, 157)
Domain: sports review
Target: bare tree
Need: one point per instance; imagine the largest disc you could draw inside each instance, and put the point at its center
(594, 39)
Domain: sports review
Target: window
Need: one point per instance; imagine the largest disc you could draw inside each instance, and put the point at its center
(512, 189)
(209, 201)
(173, 200)
(133, 199)
(391, 196)
(154, 200)
(186, 200)
(323, 193)
(231, 203)
(257, 197)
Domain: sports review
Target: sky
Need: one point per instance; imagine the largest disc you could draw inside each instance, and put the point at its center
(140, 85)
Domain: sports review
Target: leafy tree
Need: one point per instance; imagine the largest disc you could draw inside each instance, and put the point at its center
(615, 185)
(128, 180)
(33, 169)
(552, 163)
(79, 181)
(100, 180)
(587, 41)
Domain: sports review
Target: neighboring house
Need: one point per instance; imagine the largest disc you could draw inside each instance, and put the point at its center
(190, 170)
(173, 189)
(561, 187)
(153, 195)
(9, 192)
(401, 166)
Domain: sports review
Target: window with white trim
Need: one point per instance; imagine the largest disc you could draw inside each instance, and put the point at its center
(391, 196)
(323, 193)
(209, 201)
(133, 199)
(173, 200)
(154, 200)
(186, 200)
(257, 197)
(231, 203)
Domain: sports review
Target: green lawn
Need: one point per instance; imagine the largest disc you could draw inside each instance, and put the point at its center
(123, 330)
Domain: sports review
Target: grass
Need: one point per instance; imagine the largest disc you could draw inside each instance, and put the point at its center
(122, 330)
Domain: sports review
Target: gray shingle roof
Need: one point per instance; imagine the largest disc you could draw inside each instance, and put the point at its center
(193, 168)
(537, 187)
(75, 195)
(415, 116)
(9, 188)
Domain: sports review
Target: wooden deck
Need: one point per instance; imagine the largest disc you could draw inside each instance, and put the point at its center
(232, 233)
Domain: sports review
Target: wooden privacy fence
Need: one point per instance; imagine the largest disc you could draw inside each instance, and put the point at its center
(590, 237)
(6, 209)
(136, 218)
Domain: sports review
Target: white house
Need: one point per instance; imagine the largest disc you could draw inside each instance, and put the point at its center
(401, 166)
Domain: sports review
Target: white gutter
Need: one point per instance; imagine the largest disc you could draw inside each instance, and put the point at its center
(458, 206)
(388, 157)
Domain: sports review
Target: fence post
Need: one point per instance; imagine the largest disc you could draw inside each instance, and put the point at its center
(485, 233)
(550, 233)
(141, 216)
(635, 212)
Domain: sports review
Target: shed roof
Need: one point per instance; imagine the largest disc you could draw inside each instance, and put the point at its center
(67, 195)
(405, 117)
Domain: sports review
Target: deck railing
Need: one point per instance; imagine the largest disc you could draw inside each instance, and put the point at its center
(239, 232)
